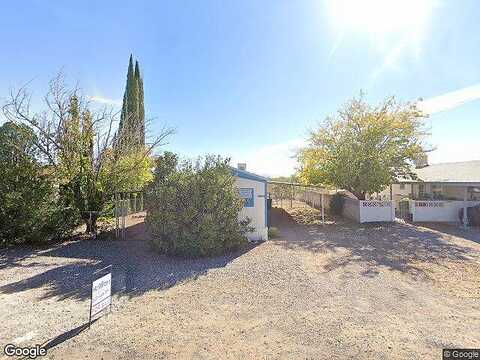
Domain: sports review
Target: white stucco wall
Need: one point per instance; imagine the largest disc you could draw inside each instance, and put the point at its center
(441, 211)
(368, 210)
(257, 212)
(375, 211)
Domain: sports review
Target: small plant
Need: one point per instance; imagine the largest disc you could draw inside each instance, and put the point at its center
(337, 202)
(273, 232)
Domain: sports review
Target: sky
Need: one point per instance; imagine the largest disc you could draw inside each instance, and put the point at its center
(248, 79)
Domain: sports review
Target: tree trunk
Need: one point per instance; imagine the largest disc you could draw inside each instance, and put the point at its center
(90, 222)
(359, 195)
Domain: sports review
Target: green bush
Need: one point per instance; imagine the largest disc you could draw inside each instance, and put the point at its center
(336, 204)
(30, 211)
(273, 232)
(192, 208)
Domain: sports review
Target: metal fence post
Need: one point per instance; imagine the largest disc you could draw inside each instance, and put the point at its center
(124, 213)
(115, 209)
(323, 209)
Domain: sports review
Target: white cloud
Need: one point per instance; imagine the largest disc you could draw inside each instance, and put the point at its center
(450, 100)
(271, 160)
(106, 101)
(455, 151)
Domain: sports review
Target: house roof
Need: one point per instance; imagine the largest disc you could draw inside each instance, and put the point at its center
(248, 175)
(453, 172)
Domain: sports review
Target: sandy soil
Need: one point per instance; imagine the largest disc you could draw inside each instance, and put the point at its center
(317, 292)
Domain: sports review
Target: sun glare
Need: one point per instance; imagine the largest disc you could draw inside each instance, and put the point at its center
(381, 17)
(394, 27)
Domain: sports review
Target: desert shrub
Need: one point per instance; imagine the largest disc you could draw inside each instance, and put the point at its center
(192, 208)
(30, 209)
(336, 204)
(273, 232)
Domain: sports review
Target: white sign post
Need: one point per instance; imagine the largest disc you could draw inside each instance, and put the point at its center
(101, 292)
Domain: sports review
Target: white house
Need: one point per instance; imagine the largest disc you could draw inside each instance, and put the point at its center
(253, 188)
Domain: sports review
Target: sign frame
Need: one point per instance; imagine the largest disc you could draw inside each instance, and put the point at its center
(101, 274)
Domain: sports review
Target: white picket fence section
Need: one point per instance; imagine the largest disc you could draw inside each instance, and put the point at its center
(438, 211)
(364, 211)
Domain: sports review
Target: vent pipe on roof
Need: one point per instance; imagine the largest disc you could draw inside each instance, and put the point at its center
(242, 166)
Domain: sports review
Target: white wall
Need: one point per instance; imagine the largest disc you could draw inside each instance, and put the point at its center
(438, 211)
(375, 210)
(257, 212)
(369, 210)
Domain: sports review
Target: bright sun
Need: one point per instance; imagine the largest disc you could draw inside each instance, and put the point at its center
(381, 17)
(394, 27)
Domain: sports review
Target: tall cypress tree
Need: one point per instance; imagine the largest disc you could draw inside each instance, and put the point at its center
(132, 98)
(141, 106)
(131, 132)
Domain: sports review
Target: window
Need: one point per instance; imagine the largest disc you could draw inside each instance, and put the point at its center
(421, 191)
(247, 194)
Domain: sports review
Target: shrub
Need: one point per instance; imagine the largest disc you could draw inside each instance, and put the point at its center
(273, 232)
(336, 204)
(192, 208)
(29, 208)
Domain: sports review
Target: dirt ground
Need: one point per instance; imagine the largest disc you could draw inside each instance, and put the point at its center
(333, 291)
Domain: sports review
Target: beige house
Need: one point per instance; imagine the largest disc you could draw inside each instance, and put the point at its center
(445, 181)
(439, 192)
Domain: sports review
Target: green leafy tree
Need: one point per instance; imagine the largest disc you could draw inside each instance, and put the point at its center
(364, 148)
(29, 209)
(192, 208)
(130, 172)
(76, 143)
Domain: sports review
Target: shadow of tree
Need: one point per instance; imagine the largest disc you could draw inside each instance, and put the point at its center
(471, 234)
(14, 255)
(136, 267)
(396, 246)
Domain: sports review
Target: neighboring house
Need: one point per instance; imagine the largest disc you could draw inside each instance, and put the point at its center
(253, 188)
(439, 192)
(446, 181)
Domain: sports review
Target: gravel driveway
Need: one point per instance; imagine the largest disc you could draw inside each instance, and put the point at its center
(317, 292)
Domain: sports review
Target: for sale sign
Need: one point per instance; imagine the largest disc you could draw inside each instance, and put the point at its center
(101, 292)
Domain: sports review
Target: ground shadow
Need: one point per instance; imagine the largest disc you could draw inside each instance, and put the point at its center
(395, 246)
(136, 267)
(67, 335)
(456, 230)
